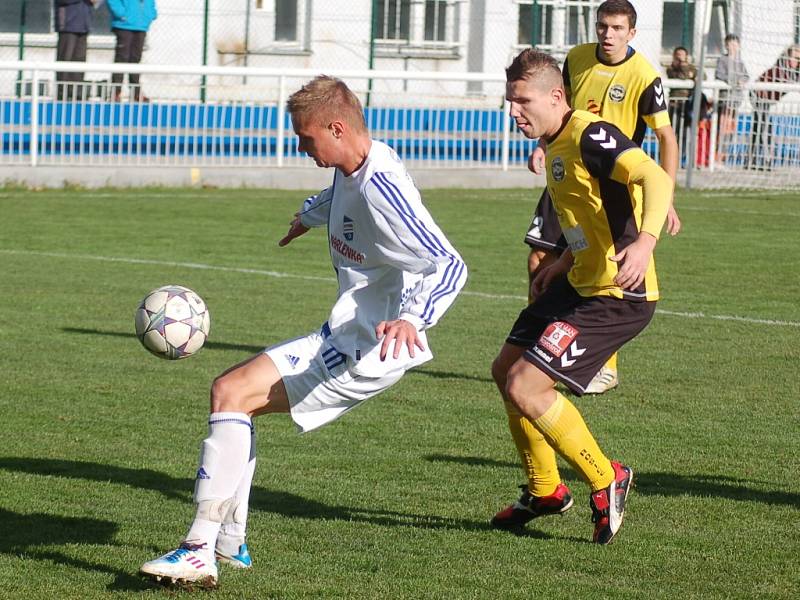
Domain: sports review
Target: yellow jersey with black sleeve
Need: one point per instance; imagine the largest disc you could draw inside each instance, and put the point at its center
(591, 173)
(629, 93)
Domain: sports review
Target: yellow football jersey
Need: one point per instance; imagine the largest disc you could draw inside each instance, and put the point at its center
(589, 162)
(628, 94)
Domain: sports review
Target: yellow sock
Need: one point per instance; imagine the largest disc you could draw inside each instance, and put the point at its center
(538, 458)
(611, 363)
(565, 430)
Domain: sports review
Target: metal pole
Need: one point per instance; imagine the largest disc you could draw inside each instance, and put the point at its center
(279, 150)
(21, 49)
(506, 120)
(372, 35)
(698, 96)
(685, 29)
(34, 118)
(536, 24)
(205, 51)
(246, 37)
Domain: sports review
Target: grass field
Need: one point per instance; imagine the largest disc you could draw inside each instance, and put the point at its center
(393, 500)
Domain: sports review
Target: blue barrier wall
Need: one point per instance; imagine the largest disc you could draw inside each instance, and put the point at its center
(184, 130)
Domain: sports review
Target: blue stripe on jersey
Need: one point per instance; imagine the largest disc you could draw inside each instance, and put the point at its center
(416, 226)
(335, 361)
(330, 352)
(307, 202)
(397, 201)
(452, 273)
(455, 277)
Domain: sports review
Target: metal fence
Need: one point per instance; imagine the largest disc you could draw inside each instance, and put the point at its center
(244, 123)
(241, 124)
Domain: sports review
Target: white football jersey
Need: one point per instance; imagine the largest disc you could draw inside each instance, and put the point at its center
(391, 259)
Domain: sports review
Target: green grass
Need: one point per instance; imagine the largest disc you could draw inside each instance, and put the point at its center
(392, 501)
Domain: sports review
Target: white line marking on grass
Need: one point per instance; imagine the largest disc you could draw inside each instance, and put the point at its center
(278, 274)
(737, 211)
(700, 315)
(745, 194)
(164, 263)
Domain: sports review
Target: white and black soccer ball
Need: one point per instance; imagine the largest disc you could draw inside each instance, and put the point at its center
(172, 322)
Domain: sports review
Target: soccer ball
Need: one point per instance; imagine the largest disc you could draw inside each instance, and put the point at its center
(172, 322)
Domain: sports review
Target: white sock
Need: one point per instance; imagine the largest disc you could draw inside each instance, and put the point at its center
(234, 526)
(223, 459)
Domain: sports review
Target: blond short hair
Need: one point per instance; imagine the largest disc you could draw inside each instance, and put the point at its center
(325, 99)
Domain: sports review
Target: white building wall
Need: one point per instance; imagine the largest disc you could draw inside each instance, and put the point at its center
(649, 16)
(337, 36)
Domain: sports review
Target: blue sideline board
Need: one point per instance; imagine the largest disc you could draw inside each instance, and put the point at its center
(175, 129)
(211, 130)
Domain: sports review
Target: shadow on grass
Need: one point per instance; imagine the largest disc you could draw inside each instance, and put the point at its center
(665, 484)
(732, 488)
(449, 375)
(22, 535)
(172, 487)
(211, 345)
(276, 502)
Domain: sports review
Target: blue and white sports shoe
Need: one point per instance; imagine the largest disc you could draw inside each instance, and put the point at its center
(239, 559)
(187, 566)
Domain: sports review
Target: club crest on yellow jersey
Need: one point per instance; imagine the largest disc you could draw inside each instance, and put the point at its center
(616, 93)
(557, 169)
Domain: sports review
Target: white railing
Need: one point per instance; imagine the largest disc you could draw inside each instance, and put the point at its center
(236, 116)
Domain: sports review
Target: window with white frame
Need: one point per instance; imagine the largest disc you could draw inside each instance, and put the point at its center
(285, 20)
(436, 20)
(393, 19)
(288, 21)
(417, 27)
(556, 25)
(797, 21)
(677, 25)
(36, 17)
(680, 19)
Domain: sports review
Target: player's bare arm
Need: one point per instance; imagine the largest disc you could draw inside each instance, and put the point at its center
(296, 229)
(634, 258)
(536, 159)
(657, 188)
(546, 274)
(402, 333)
(668, 156)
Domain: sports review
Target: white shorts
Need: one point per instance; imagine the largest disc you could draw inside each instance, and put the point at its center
(318, 383)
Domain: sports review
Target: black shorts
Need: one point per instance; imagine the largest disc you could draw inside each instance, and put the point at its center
(570, 337)
(544, 231)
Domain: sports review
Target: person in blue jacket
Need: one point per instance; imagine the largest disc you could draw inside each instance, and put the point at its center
(73, 20)
(130, 20)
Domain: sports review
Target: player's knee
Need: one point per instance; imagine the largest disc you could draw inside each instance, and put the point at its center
(530, 398)
(499, 372)
(515, 392)
(224, 396)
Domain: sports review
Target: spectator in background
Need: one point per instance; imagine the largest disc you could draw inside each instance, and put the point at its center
(680, 68)
(731, 70)
(73, 22)
(786, 70)
(130, 20)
